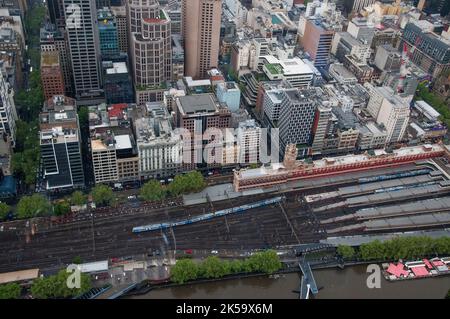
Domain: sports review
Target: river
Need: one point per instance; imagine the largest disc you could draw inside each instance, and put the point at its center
(347, 283)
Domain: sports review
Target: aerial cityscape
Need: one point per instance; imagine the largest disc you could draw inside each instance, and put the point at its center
(220, 149)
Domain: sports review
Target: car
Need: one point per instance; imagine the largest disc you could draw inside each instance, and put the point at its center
(214, 252)
(131, 197)
(188, 251)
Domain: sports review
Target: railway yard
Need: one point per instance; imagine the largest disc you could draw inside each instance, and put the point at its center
(404, 198)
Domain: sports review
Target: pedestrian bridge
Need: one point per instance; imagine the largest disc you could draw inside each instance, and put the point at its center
(308, 283)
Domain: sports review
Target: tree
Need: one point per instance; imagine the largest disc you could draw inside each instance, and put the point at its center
(61, 208)
(10, 291)
(4, 210)
(32, 206)
(77, 260)
(187, 183)
(102, 195)
(213, 267)
(347, 252)
(25, 159)
(78, 198)
(56, 286)
(152, 191)
(184, 270)
(266, 261)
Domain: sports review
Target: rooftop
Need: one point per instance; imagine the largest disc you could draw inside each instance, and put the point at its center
(199, 103)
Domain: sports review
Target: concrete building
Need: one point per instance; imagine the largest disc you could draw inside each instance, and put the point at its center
(198, 113)
(345, 44)
(394, 115)
(113, 146)
(317, 40)
(297, 114)
(387, 58)
(177, 58)
(248, 141)
(341, 74)
(60, 142)
(320, 128)
(8, 114)
(272, 104)
(358, 5)
(377, 95)
(158, 145)
(201, 33)
(120, 13)
(230, 94)
(84, 49)
(56, 12)
(51, 75)
(360, 29)
(294, 71)
(428, 50)
(151, 49)
(54, 39)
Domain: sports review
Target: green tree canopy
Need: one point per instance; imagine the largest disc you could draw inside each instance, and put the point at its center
(4, 210)
(10, 291)
(32, 206)
(347, 252)
(187, 183)
(56, 286)
(102, 195)
(213, 267)
(266, 261)
(184, 270)
(61, 208)
(78, 198)
(152, 191)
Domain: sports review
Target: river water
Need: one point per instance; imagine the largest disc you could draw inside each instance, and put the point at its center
(347, 283)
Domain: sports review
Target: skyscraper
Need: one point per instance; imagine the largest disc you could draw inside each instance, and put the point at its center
(201, 32)
(151, 49)
(108, 35)
(56, 12)
(81, 25)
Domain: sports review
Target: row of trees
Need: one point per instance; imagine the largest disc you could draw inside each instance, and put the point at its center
(56, 286)
(212, 267)
(182, 184)
(398, 248)
(37, 205)
(10, 291)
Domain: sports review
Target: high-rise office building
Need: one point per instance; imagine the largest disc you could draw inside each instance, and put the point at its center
(60, 145)
(297, 114)
(120, 13)
(81, 26)
(201, 32)
(51, 75)
(317, 41)
(151, 49)
(54, 39)
(56, 12)
(107, 31)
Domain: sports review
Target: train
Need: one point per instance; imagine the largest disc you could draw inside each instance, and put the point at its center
(209, 216)
(394, 176)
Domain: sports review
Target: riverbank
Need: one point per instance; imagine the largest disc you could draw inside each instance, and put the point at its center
(349, 282)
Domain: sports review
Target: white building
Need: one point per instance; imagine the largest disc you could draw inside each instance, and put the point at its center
(248, 141)
(394, 115)
(8, 114)
(295, 71)
(159, 148)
